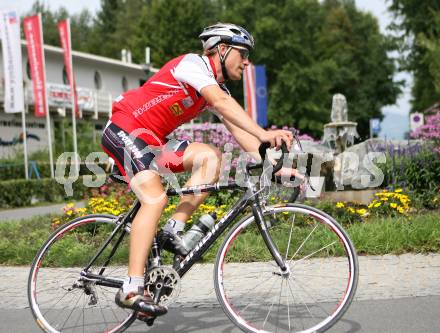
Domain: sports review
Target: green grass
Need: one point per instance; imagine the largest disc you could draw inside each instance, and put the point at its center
(420, 234)
(20, 240)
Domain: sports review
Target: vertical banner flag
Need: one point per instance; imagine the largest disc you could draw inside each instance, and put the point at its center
(13, 75)
(255, 93)
(64, 31)
(34, 40)
(33, 33)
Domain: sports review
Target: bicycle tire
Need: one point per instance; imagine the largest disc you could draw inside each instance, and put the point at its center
(59, 302)
(316, 241)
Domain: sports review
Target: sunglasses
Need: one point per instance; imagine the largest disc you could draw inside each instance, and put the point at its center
(244, 53)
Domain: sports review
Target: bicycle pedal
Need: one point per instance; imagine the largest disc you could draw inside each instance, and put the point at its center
(150, 321)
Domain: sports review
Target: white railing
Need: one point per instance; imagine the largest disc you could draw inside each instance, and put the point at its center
(98, 102)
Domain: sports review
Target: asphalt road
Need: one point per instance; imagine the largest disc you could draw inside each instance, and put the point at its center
(404, 315)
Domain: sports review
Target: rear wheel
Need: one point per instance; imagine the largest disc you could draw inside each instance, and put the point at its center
(60, 297)
(315, 292)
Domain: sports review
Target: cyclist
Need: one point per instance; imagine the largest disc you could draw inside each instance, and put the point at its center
(143, 117)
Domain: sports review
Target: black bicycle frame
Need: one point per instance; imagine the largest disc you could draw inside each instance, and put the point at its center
(250, 198)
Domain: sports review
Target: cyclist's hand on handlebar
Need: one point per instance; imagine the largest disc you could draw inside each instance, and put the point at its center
(289, 172)
(276, 137)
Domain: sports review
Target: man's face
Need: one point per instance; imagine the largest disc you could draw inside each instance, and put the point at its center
(236, 61)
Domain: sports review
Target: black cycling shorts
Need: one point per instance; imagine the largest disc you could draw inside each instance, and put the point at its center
(132, 154)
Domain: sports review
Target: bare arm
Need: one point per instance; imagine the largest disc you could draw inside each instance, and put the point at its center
(231, 111)
(248, 142)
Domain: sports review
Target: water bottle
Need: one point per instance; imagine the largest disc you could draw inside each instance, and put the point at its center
(199, 230)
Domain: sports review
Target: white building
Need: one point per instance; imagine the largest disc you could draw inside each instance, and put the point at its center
(99, 80)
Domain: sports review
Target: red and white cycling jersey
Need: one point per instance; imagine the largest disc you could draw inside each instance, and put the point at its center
(168, 99)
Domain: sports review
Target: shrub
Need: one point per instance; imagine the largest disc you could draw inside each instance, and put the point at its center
(390, 203)
(19, 193)
(386, 204)
(414, 168)
(430, 131)
(15, 170)
(116, 199)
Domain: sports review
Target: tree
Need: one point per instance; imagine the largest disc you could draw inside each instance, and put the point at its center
(364, 70)
(49, 21)
(171, 27)
(418, 32)
(102, 41)
(313, 50)
(80, 25)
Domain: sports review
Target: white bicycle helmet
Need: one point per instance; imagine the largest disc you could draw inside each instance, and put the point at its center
(227, 33)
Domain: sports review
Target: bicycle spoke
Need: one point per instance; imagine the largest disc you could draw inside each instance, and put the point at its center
(288, 309)
(59, 300)
(302, 301)
(319, 276)
(258, 282)
(302, 244)
(293, 296)
(268, 313)
(73, 310)
(264, 297)
(83, 321)
(79, 317)
(290, 237)
(312, 294)
(279, 303)
(311, 254)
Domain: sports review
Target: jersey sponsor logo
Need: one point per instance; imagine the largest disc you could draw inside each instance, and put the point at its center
(129, 144)
(148, 105)
(176, 109)
(187, 102)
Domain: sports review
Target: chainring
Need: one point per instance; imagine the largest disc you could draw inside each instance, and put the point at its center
(162, 284)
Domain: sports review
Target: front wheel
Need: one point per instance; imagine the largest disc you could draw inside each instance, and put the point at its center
(311, 296)
(61, 298)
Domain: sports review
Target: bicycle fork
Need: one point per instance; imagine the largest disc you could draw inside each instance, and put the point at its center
(262, 227)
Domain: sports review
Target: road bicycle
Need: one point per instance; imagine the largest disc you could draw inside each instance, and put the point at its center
(300, 277)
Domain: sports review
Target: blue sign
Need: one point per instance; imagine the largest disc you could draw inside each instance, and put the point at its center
(261, 94)
(375, 125)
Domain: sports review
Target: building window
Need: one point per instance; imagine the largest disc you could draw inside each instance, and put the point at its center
(98, 80)
(65, 78)
(124, 84)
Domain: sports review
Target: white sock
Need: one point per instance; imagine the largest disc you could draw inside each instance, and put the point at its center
(132, 284)
(174, 226)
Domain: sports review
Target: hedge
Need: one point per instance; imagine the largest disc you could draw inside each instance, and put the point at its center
(19, 193)
(16, 171)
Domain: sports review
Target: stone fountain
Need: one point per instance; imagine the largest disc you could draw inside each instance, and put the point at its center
(340, 133)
